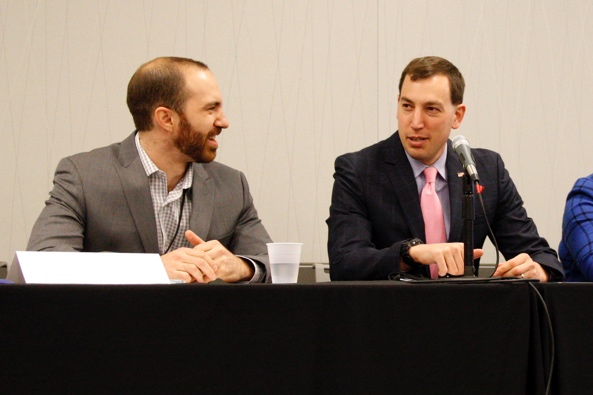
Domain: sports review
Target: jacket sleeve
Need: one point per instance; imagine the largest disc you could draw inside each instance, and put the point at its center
(249, 236)
(352, 253)
(577, 226)
(515, 232)
(60, 226)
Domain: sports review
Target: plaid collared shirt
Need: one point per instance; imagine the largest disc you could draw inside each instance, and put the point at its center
(167, 204)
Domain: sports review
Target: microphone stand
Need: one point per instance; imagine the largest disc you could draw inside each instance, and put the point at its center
(469, 271)
(468, 216)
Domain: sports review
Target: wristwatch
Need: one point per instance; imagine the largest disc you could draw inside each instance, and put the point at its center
(404, 252)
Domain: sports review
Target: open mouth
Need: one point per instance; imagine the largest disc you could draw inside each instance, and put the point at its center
(417, 141)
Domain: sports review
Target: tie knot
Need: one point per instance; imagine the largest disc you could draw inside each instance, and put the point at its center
(430, 174)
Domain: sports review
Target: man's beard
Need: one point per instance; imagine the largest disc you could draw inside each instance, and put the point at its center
(193, 143)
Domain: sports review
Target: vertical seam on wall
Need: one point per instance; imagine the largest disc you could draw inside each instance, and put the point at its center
(378, 87)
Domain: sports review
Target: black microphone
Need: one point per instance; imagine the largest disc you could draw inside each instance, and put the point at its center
(461, 147)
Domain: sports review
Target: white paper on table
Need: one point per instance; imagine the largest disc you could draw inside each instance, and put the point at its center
(45, 267)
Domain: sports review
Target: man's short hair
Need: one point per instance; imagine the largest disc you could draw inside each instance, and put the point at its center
(158, 83)
(422, 68)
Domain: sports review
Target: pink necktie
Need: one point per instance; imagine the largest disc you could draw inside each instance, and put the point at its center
(432, 212)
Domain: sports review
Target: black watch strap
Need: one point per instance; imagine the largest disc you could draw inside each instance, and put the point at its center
(404, 252)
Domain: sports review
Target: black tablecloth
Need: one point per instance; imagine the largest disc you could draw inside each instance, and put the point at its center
(355, 338)
(571, 309)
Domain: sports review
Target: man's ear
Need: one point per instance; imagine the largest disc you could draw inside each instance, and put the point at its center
(164, 118)
(459, 113)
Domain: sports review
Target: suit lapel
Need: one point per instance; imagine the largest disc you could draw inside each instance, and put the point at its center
(404, 185)
(137, 191)
(455, 193)
(202, 202)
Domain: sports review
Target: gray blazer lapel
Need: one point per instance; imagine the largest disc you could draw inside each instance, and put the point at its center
(402, 179)
(137, 190)
(455, 193)
(202, 202)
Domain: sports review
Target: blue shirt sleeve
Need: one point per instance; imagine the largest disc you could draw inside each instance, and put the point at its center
(577, 226)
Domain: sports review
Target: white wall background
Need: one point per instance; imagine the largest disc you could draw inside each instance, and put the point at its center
(303, 82)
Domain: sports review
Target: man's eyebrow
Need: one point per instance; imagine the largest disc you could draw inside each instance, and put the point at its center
(213, 103)
(428, 103)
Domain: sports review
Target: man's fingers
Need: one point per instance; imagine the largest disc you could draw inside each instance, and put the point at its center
(199, 274)
(193, 238)
(194, 262)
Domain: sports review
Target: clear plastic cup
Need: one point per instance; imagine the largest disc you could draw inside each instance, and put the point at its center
(285, 259)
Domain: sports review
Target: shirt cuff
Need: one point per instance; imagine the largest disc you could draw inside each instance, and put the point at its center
(258, 273)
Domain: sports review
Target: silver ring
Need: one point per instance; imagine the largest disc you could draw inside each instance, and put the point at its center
(522, 275)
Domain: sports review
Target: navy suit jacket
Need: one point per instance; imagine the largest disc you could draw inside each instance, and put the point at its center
(376, 207)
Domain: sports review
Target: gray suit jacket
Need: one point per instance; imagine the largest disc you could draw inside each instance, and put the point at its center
(375, 208)
(101, 202)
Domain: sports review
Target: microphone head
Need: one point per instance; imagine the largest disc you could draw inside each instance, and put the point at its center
(462, 148)
(459, 140)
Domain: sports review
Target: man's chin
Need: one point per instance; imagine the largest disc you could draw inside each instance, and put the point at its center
(414, 152)
(205, 158)
(421, 156)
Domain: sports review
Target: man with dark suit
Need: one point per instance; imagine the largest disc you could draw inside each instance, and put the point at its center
(376, 225)
(159, 190)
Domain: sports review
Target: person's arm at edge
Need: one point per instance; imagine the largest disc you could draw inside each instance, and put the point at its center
(577, 226)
